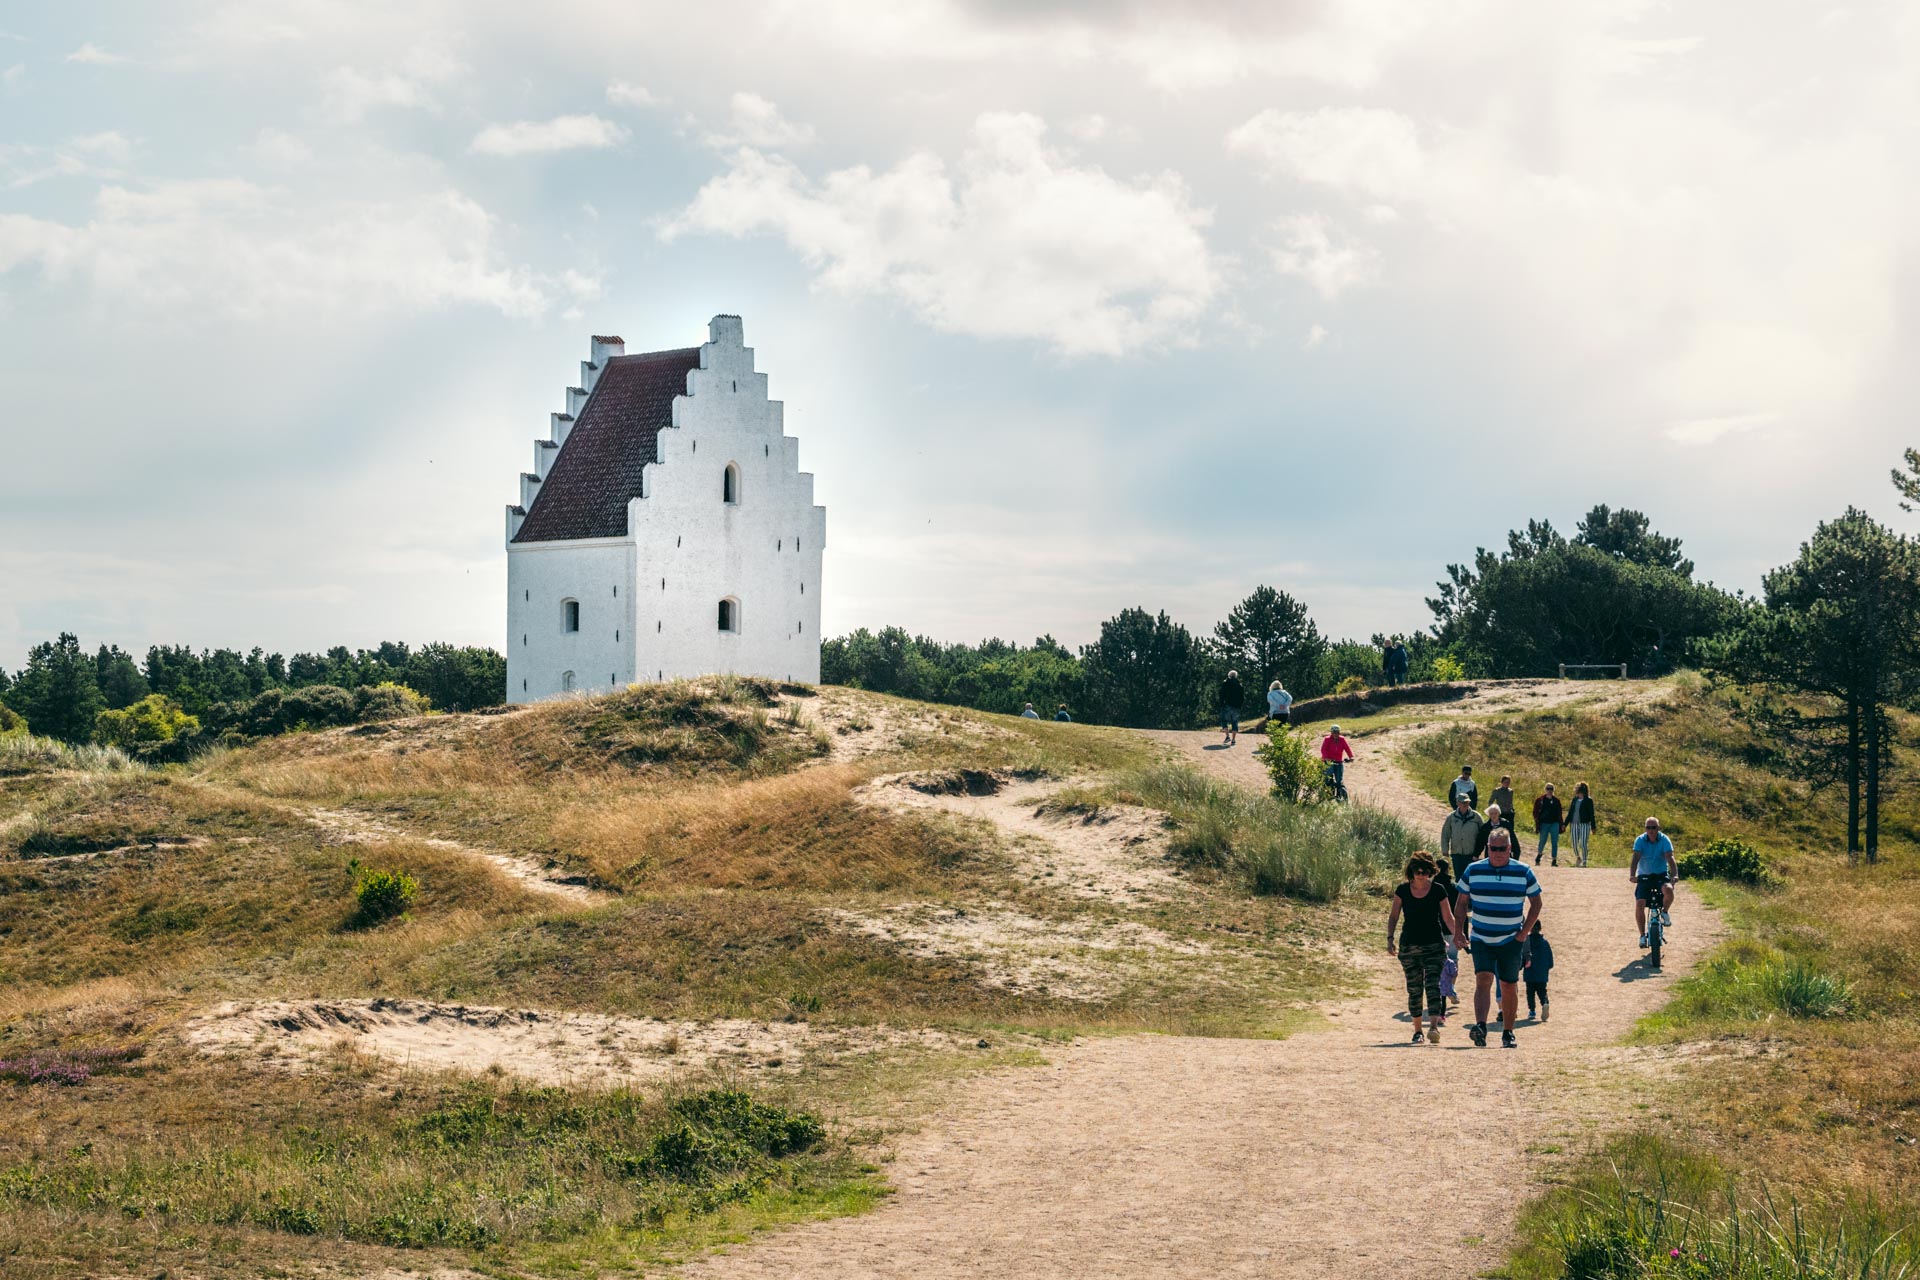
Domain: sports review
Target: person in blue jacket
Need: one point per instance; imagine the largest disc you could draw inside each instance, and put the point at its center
(1536, 965)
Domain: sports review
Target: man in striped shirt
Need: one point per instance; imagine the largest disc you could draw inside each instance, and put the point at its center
(1499, 901)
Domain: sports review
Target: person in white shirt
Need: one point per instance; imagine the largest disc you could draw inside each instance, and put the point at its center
(1279, 704)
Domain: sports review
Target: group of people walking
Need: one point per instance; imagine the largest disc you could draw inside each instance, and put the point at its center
(1480, 900)
(1551, 818)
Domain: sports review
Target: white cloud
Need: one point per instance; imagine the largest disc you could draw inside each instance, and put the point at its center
(95, 155)
(93, 55)
(279, 151)
(350, 93)
(1704, 431)
(562, 133)
(1015, 243)
(624, 93)
(1316, 334)
(1307, 245)
(230, 245)
(755, 122)
(1361, 150)
(13, 77)
(1089, 128)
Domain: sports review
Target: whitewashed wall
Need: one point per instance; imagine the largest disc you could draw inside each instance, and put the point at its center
(688, 549)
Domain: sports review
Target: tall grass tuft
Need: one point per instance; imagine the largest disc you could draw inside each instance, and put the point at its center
(25, 753)
(1316, 853)
(1747, 981)
(1622, 1233)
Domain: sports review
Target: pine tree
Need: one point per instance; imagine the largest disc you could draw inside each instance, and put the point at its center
(58, 692)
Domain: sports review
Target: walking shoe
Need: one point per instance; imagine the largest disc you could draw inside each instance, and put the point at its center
(1478, 1034)
(1666, 919)
(1418, 1036)
(1433, 1034)
(1643, 942)
(1545, 1011)
(1531, 1013)
(1507, 1041)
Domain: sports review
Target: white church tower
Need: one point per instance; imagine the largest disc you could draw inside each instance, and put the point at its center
(666, 529)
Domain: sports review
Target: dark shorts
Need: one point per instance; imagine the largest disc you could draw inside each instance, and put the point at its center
(1647, 888)
(1502, 960)
(1230, 718)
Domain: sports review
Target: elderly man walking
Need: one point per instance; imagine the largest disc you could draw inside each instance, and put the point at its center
(1462, 836)
(1500, 899)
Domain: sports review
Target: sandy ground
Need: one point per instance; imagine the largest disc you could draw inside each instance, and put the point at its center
(548, 1047)
(349, 827)
(1340, 1152)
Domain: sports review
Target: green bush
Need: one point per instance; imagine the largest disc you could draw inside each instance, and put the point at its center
(387, 701)
(1352, 684)
(1297, 776)
(1727, 859)
(12, 723)
(156, 718)
(1447, 668)
(382, 894)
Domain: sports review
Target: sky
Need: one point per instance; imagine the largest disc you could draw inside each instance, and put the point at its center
(1073, 307)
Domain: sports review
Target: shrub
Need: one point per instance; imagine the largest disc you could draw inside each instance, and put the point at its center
(1352, 684)
(381, 894)
(12, 723)
(387, 701)
(1448, 668)
(1727, 859)
(1746, 981)
(724, 1132)
(156, 718)
(1297, 776)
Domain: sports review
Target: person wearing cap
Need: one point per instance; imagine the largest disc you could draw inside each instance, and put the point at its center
(1335, 751)
(1652, 862)
(1462, 836)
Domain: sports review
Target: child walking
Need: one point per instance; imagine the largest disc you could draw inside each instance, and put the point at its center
(1536, 966)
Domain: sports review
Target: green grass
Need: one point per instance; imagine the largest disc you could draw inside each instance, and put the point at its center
(1654, 1211)
(1316, 853)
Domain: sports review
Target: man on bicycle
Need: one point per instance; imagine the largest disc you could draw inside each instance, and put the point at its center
(1653, 871)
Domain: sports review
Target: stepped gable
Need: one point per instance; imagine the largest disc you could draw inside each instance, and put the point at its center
(585, 493)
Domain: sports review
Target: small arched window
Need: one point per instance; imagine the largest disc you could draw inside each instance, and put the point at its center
(566, 682)
(730, 484)
(730, 615)
(569, 615)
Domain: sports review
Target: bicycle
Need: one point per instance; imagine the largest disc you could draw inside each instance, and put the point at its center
(1656, 917)
(1336, 784)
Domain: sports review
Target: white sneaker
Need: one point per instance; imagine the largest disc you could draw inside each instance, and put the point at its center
(1666, 919)
(1643, 942)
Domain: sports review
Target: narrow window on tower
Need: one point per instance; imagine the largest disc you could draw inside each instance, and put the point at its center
(569, 615)
(730, 484)
(730, 615)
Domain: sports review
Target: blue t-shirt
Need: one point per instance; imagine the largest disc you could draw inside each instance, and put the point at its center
(1498, 897)
(1650, 856)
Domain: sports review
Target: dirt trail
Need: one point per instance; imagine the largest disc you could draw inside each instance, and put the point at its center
(1151, 1156)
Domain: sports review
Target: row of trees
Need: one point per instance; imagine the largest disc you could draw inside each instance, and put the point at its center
(63, 690)
(1145, 670)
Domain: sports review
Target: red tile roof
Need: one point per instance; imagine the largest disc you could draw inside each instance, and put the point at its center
(587, 489)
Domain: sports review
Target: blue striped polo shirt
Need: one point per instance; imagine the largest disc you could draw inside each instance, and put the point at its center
(1498, 898)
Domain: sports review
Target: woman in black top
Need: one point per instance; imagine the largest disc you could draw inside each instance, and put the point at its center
(1421, 909)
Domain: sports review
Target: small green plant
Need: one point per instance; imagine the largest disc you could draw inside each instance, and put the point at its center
(382, 894)
(1352, 684)
(1728, 859)
(1296, 775)
(12, 723)
(1747, 981)
(1446, 667)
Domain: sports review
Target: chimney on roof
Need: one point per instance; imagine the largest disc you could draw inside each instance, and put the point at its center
(726, 331)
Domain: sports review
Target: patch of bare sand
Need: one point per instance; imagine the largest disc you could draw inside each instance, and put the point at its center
(859, 725)
(1116, 853)
(347, 826)
(1014, 951)
(549, 1047)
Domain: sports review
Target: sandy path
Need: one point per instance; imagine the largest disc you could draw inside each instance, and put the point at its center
(1169, 1156)
(350, 827)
